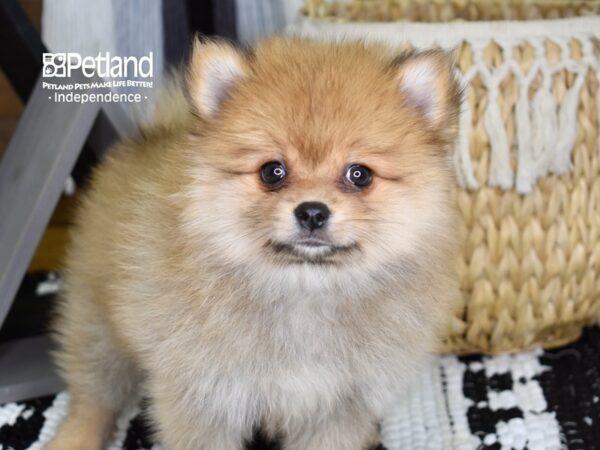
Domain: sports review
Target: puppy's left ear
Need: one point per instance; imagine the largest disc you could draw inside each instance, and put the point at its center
(427, 82)
(215, 68)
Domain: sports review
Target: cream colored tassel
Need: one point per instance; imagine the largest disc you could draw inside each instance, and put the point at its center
(462, 156)
(525, 175)
(544, 129)
(567, 125)
(500, 169)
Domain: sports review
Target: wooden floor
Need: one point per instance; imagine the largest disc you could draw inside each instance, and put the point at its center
(51, 248)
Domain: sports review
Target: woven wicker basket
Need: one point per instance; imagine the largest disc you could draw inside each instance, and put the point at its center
(527, 158)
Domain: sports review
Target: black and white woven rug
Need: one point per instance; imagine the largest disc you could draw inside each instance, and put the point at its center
(537, 400)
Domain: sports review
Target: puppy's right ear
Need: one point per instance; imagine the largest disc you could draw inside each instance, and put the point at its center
(426, 80)
(215, 68)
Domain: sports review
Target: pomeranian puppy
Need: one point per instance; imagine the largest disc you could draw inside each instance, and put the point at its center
(276, 252)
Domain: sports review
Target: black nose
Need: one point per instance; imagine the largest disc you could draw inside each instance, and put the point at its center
(312, 215)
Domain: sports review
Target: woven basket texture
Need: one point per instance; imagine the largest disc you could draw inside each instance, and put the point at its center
(530, 200)
(448, 10)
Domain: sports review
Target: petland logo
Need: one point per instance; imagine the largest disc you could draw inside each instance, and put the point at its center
(60, 65)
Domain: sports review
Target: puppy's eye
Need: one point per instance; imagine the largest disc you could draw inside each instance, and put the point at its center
(273, 173)
(359, 176)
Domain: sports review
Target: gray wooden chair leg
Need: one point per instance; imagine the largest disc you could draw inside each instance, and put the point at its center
(33, 170)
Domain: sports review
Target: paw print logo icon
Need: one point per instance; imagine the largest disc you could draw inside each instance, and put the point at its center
(55, 65)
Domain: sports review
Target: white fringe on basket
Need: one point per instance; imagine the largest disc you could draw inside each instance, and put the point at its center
(545, 131)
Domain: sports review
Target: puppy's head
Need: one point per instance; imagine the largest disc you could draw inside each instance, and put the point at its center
(323, 156)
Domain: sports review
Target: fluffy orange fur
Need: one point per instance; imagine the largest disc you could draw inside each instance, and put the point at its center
(175, 285)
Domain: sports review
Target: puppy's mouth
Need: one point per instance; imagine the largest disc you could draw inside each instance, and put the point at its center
(312, 250)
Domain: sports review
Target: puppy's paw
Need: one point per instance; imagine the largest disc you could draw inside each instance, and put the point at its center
(78, 435)
(72, 442)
